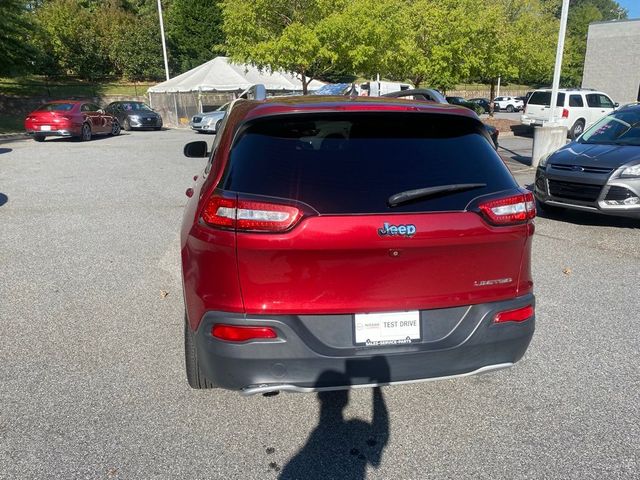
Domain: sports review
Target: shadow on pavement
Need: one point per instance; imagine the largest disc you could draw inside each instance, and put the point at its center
(516, 157)
(5, 150)
(3, 198)
(340, 448)
(587, 219)
(77, 140)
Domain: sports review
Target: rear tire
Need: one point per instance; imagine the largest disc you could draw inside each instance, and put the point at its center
(577, 129)
(38, 138)
(510, 108)
(85, 136)
(127, 125)
(218, 123)
(195, 376)
(115, 128)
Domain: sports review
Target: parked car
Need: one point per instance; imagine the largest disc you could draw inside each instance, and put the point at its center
(600, 172)
(485, 103)
(70, 118)
(509, 104)
(462, 102)
(577, 109)
(382, 240)
(135, 115)
(431, 95)
(209, 122)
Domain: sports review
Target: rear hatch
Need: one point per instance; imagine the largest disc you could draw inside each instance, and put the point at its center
(345, 248)
(538, 107)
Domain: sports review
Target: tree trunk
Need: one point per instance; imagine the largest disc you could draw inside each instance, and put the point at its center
(305, 82)
(491, 96)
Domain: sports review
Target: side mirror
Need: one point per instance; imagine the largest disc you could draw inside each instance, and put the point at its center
(101, 111)
(616, 105)
(196, 149)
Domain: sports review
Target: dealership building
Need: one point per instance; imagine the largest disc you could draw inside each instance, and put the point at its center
(612, 61)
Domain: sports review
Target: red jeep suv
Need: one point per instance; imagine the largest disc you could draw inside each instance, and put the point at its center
(381, 240)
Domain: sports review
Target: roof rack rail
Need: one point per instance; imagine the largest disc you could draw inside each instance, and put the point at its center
(254, 92)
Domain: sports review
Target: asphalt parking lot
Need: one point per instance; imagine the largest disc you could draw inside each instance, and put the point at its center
(91, 347)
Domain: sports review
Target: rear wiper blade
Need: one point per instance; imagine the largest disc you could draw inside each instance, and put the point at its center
(409, 195)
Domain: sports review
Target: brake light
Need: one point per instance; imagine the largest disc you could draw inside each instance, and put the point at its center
(235, 333)
(517, 315)
(249, 215)
(565, 113)
(510, 210)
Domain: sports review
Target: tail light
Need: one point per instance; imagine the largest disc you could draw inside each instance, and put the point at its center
(236, 333)
(510, 210)
(249, 215)
(565, 113)
(517, 315)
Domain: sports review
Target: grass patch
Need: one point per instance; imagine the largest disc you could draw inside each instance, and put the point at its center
(35, 86)
(11, 124)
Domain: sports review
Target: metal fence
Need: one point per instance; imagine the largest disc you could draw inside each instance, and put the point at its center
(177, 108)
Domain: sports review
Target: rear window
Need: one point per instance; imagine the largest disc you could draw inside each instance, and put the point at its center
(544, 98)
(352, 163)
(55, 107)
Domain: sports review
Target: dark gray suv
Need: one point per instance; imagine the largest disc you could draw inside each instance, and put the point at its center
(599, 172)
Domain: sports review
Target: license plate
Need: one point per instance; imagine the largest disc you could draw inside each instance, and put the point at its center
(395, 328)
(45, 128)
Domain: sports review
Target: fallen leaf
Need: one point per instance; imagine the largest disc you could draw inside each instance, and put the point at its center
(566, 271)
(112, 472)
(163, 293)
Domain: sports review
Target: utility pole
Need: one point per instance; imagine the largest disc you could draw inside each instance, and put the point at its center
(164, 43)
(558, 66)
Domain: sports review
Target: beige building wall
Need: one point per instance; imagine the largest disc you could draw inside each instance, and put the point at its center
(612, 61)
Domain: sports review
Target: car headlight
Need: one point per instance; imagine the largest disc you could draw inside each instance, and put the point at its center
(543, 160)
(135, 118)
(632, 171)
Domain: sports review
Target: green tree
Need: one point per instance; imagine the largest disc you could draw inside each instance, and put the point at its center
(442, 36)
(194, 30)
(66, 30)
(132, 42)
(16, 51)
(284, 34)
(515, 40)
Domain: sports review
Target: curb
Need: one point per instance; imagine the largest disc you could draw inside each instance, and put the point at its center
(6, 137)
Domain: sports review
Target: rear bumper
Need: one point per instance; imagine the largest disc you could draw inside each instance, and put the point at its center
(316, 352)
(53, 133)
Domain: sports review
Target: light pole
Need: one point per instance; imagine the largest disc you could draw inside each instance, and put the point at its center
(164, 43)
(550, 137)
(558, 66)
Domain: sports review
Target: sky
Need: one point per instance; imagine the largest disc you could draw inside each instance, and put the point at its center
(632, 6)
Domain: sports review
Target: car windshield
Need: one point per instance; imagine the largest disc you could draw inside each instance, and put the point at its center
(55, 107)
(620, 128)
(135, 106)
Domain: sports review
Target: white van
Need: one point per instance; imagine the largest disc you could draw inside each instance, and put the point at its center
(576, 109)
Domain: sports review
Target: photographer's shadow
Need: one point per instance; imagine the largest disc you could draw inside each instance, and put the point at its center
(340, 448)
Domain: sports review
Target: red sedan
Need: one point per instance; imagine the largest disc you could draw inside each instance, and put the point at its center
(70, 118)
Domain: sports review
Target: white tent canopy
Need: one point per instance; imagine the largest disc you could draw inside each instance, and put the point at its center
(220, 75)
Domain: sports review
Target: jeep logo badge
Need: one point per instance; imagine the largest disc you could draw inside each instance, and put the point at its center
(392, 230)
